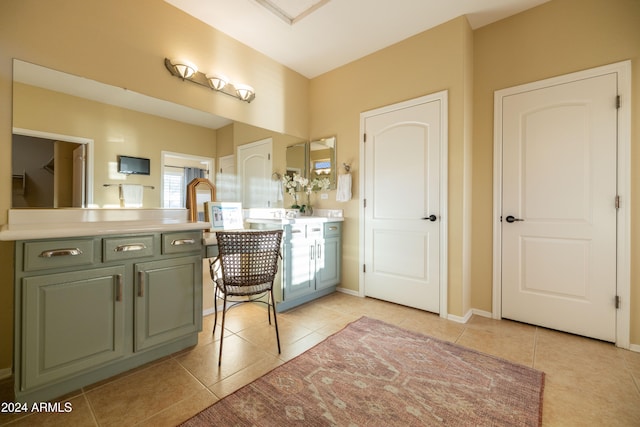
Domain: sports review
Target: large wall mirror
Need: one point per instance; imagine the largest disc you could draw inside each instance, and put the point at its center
(67, 117)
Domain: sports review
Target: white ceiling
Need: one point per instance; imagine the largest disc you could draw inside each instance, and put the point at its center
(337, 32)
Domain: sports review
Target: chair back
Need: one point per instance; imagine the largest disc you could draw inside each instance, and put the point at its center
(248, 260)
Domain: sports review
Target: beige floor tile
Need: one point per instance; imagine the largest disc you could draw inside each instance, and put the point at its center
(243, 377)
(297, 348)
(432, 325)
(508, 340)
(143, 394)
(264, 335)
(182, 410)
(237, 353)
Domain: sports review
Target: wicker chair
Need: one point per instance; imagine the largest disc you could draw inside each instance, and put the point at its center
(246, 267)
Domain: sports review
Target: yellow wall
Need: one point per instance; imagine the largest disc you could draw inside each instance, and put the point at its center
(556, 38)
(114, 131)
(426, 63)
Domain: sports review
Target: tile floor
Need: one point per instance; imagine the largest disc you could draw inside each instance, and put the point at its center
(588, 383)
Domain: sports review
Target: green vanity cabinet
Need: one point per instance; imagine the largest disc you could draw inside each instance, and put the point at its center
(329, 256)
(312, 257)
(71, 322)
(166, 306)
(88, 308)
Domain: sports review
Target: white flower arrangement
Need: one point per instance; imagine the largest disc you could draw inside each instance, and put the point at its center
(294, 184)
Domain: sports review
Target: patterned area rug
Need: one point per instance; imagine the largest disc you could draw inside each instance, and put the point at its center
(375, 374)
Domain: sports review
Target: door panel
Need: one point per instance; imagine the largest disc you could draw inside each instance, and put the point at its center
(254, 170)
(402, 184)
(559, 178)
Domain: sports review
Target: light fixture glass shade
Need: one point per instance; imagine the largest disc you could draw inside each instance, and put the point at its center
(217, 82)
(186, 71)
(245, 92)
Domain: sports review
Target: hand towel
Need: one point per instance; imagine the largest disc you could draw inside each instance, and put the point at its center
(131, 195)
(343, 192)
(276, 190)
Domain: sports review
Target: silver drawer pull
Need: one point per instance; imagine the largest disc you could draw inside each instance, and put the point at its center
(296, 231)
(180, 242)
(61, 252)
(333, 228)
(129, 248)
(315, 229)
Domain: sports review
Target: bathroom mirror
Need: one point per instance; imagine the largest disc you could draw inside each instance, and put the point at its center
(296, 159)
(322, 159)
(108, 121)
(199, 191)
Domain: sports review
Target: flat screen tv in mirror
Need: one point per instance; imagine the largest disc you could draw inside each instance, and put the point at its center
(134, 165)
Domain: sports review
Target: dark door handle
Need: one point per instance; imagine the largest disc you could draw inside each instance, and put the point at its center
(431, 217)
(511, 218)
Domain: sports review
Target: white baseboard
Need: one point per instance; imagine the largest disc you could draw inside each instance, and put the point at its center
(467, 316)
(5, 373)
(634, 347)
(348, 291)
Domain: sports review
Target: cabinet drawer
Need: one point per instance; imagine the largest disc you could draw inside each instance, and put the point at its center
(296, 231)
(332, 229)
(120, 248)
(175, 243)
(314, 231)
(58, 254)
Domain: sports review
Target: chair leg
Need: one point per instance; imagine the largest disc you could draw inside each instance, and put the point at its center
(269, 302)
(275, 319)
(215, 307)
(224, 312)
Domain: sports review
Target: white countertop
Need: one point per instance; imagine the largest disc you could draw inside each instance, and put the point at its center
(29, 224)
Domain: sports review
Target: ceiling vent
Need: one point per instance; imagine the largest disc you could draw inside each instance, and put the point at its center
(292, 11)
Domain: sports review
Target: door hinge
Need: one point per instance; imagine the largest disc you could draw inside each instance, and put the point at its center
(269, 156)
(617, 301)
(364, 268)
(364, 201)
(618, 102)
(617, 202)
(364, 137)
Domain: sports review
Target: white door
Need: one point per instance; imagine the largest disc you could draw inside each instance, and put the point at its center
(558, 206)
(254, 172)
(226, 190)
(79, 173)
(402, 191)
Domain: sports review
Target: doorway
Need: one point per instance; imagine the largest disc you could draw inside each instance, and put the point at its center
(51, 170)
(404, 210)
(561, 204)
(254, 174)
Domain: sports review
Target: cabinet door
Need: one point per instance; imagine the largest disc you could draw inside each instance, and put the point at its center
(70, 322)
(328, 257)
(166, 306)
(299, 279)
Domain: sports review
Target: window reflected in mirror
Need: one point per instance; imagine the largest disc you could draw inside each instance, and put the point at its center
(322, 159)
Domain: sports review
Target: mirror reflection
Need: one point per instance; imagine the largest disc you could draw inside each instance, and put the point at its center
(322, 159)
(67, 112)
(296, 159)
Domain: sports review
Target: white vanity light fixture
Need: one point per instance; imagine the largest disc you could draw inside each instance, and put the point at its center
(189, 72)
(245, 92)
(185, 70)
(217, 81)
